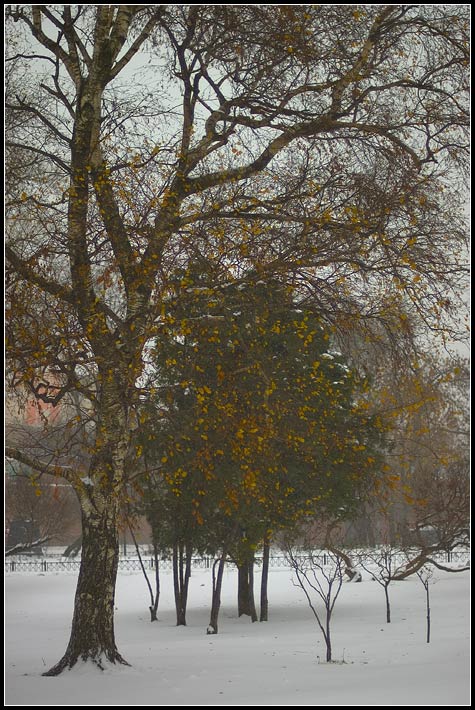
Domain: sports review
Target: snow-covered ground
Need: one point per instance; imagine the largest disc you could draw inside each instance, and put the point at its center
(280, 662)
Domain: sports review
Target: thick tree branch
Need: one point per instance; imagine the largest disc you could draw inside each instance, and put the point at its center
(114, 223)
(26, 272)
(63, 293)
(221, 177)
(66, 472)
(138, 42)
(54, 47)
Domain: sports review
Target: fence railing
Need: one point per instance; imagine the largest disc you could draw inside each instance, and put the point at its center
(126, 564)
(132, 564)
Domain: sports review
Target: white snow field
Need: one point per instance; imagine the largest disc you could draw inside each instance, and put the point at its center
(279, 662)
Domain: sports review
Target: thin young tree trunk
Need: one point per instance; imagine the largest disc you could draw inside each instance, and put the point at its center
(156, 562)
(153, 597)
(328, 637)
(92, 633)
(216, 599)
(264, 579)
(428, 612)
(388, 608)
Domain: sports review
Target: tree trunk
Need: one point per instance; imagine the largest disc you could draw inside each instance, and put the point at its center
(388, 608)
(100, 497)
(252, 604)
(92, 633)
(428, 612)
(154, 597)
(243, 590)
(181, 577)
(265, 578)
(154, 607)
(246, 604)
(328, 637)
(216, 600)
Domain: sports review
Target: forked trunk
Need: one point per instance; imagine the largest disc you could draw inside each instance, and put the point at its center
(92, 634)
(216, 600)
(181, 577)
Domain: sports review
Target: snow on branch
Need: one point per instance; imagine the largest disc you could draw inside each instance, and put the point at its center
(21, 547)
